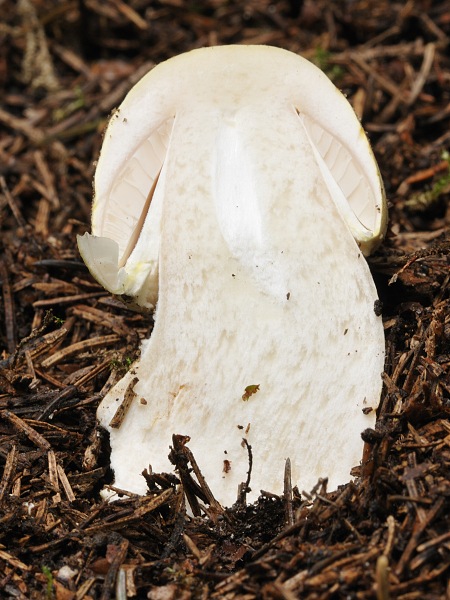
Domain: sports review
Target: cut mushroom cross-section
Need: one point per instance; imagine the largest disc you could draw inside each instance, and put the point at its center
(237, 189)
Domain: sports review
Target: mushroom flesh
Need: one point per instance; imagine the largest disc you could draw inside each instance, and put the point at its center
(236, 191)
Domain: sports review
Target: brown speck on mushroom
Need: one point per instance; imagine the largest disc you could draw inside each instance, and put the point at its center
(249, 391)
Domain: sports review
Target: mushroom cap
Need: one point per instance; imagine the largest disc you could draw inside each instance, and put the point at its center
(222, 79)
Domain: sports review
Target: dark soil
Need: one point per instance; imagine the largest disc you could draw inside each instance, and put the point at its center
(64, 341)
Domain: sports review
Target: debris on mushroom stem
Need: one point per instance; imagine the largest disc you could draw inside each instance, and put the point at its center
(235, 192)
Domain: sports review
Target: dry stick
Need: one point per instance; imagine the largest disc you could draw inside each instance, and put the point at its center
(408, 383)
(244, 487)
(34, 381)
(382, 578)
(433, 28)
(47, 377)
(412, 488)
(93, 373)
(22, 125)
(192, 546)
(8, 471)
(67, 299)
(131, 15)
(48, 190)
(99, 317)
(288, 510)
(434, 542)
(438, 250)
(113, 570)
(12, 203)
(8, 301)
(65, 483)
(338, 570)
(179, 524)
(390, 522)
(203, 484)
(47, 341)
(181, 456)
(71, 59)
(428, 173)
(368, 51)
(339, 557)
(52, 470)
(147, 504)
(425, 69)
(418, 529)
(277, 589)
(442, 291)
(376, 43)
(13, 561)
(103, 340)
(53, 543)
(389, 110)
(285, 533)
(66, 394)
(84, 589)
(384, 82)
(37, 65)
(124, 406)
(31, 433)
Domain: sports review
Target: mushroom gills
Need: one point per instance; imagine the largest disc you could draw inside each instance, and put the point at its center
(137, 229)
(344, 176)
(115, 252)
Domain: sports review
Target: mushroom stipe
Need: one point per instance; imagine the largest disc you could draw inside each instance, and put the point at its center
(235, 192)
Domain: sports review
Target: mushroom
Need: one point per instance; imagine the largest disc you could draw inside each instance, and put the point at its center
(237, 189)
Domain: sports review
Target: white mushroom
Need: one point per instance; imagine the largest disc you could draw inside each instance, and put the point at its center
(237, 188)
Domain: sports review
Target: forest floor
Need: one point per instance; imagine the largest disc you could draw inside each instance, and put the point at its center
(64, 341)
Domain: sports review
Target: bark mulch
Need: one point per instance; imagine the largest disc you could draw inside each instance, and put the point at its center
(64, 341)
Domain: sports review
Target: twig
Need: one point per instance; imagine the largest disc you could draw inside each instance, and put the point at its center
(119, 557)
(12, 203)
(244, 487)
(288, 510)
(97, 342)
(31, 433)
(8, 301)
(382, 578)
(427, 63)
(8, 471)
